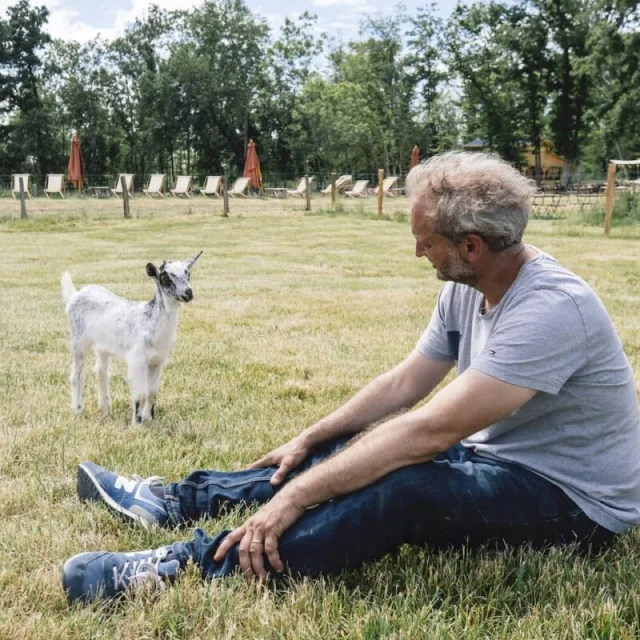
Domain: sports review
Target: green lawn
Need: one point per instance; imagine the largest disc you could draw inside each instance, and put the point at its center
(292, 314)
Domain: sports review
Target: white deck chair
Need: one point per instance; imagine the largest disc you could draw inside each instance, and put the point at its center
(212, 186)
(342, 183)
(55, 184)
(299, 191)
(359, 190)
(26, 183)
(155, 186)
(183, 187)
(128, 180)
(240, 187)
(387, 185)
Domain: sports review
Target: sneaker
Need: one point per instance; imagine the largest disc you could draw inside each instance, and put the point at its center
(134, 498)
(103, 575)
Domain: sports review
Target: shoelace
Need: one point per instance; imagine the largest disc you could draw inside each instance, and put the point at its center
(141, 570)
(151, 480)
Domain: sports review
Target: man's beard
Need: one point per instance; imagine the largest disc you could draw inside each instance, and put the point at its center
(454, 269)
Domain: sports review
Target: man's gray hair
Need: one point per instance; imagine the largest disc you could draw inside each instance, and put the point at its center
(470, 192)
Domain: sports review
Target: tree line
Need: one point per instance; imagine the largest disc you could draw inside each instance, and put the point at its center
(183, 91)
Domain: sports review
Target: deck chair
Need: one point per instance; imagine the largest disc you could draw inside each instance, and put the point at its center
(155, 186)
(342, 183)
(299, 191)
(387, 185)
(15, 184)
(212, 186)
(240, 187)
(183, 187)
(55, 184)
(359, 190)
(128, 180)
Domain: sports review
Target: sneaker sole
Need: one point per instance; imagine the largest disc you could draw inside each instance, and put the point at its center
(89, 490)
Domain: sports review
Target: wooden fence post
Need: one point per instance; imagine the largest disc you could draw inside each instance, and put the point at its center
(611, 191)
(333, 190)
(307, 190)
(380, 190)
(23, 202)
(225, 195)
(125, 197)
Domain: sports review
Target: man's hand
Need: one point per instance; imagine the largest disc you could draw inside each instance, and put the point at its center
(287, 457)
(259, 535)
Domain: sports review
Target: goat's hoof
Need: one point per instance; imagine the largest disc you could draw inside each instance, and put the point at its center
(77, 409)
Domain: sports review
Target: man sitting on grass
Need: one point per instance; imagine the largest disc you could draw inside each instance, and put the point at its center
(536, 441)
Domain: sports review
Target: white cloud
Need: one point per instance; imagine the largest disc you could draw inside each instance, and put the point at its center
(67, 24)
(71, 25)
(342, 3)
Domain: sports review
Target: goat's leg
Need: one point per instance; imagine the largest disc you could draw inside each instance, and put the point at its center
(76, 377)
(153, 381)
(102, 371)
(137, 375)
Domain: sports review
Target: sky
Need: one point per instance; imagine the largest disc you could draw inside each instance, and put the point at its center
(82, 20)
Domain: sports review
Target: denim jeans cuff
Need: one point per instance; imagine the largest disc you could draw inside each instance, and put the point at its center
(173, 503)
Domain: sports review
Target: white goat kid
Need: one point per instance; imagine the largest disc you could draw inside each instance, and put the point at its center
(141, 333)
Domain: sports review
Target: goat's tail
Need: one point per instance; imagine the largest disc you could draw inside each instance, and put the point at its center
(68, 290)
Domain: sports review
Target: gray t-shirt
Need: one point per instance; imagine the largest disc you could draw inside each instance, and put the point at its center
(550, 332)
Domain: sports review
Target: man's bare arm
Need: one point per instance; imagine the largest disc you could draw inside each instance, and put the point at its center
(470, 403)
(400, 388)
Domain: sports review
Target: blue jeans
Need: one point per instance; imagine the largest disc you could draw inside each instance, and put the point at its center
(458, 498)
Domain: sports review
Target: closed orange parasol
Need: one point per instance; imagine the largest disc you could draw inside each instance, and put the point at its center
(252, 166)
(415, 157)
(75, 172)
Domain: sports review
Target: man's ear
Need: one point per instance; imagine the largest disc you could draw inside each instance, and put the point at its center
(472, 246)
(152, 272)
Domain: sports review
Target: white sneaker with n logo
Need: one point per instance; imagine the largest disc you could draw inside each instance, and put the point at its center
(132, 498)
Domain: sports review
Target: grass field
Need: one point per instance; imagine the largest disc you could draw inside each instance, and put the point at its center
(292, 314)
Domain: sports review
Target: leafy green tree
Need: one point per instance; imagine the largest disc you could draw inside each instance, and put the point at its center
(286, 67)
(614, 59)
(568, 23)
(27, 134)
(477, 53)
(425, 60)
(80, 81)
(333, 125)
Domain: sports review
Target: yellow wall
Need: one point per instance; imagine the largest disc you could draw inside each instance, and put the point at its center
(551, 163)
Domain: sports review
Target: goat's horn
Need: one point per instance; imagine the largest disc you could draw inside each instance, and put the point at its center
(192, 261)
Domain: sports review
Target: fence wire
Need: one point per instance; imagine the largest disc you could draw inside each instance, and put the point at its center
(584, 201)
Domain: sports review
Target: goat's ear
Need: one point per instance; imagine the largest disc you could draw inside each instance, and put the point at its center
(152, 272)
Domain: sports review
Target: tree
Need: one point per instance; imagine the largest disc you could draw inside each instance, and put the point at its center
(425, 44)
(477, 53)
(614, 58)
(286, 67)
(568, 23)
(26, 137)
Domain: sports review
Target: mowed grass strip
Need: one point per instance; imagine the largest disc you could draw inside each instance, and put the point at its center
(292, 314)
